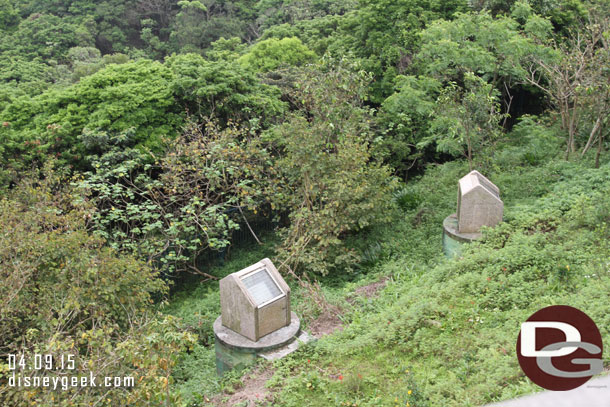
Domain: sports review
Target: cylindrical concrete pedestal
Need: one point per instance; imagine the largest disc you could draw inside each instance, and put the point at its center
(454, 240)
(234, 351)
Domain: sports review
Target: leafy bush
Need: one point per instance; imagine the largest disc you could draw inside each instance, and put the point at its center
(405, 117)
(333, 185)
(270, 54)
(465, 120)
(537, 141)
(70, 294)
(188, 201)
(147, 97)
(132, 95)
(406, 199)
(385, 35)
(223, 89)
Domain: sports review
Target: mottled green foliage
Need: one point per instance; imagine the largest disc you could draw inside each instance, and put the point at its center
(70, 294)
(8, 15)
(272, 13)
(186, 202)
(465, 120)
(146, 96)
(43, 35)
(190, 25)
(270, 54)
(334, 186)
(385, 34)
(406, 117)
(132, 95)
(318, 34)
(222, 89)
(476, 42)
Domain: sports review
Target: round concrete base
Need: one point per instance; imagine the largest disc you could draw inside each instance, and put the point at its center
(452, 239)
(234, 351)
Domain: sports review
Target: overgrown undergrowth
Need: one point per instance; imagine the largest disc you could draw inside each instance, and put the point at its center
(442, 332)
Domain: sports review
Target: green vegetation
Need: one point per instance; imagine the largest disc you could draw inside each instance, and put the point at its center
(150, 147)
(444, 332)
(270, 54)
(65, 292)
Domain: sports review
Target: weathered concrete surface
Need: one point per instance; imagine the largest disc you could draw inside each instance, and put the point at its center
(453, 239)
(285, 350)
(271, 341)
(272, 317)
(594, 393)
(238, 312)
(241, 312)
(235, 351)
(479, 203)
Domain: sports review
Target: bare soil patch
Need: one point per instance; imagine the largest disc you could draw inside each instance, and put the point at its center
(325, 324)
(369, 290)
(252, 393)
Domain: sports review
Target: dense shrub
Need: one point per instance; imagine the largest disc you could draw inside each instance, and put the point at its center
(66, 293)
(170, 209)
(132, 95)
(333, 184)
(270, 54)
(223, 89)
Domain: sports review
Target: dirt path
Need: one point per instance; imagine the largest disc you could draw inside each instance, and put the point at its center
(252, 393)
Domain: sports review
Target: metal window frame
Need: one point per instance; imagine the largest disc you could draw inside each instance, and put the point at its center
(270, 274)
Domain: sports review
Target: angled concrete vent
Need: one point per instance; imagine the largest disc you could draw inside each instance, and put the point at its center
(255, 301)
(479, 203)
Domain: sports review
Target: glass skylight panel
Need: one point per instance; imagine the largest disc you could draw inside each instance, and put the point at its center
(261, 286)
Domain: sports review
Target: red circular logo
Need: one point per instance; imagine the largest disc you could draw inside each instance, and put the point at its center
(560, 348)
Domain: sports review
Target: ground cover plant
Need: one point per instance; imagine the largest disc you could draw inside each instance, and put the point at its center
(440, 331)
(448, 328)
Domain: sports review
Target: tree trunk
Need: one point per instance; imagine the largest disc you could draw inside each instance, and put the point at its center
(469, 151)
(573, 128)
(565, 125)
(591, 140)
(600, 146)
